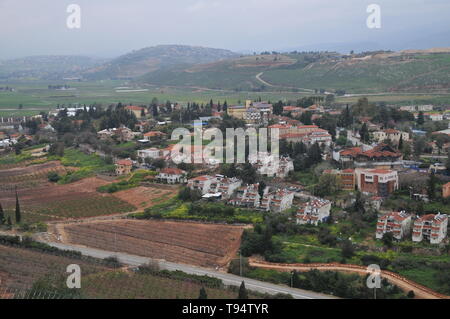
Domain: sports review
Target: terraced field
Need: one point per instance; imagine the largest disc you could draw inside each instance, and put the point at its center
(208, 245)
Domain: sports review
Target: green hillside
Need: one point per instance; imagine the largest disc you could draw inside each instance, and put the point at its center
(418, 71)
(155, 58)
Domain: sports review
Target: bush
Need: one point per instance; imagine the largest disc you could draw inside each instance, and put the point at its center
(53, 177)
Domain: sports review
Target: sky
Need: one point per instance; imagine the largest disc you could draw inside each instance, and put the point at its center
(110, 28)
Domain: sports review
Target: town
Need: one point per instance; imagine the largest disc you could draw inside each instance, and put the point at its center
(365, 180)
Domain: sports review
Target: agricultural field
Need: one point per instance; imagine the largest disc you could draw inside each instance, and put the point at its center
(30, 273)
(144, 197)
(209, 245)
(42, 200)
(20, 267)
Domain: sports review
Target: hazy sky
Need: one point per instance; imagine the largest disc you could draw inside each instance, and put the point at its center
(113, 27)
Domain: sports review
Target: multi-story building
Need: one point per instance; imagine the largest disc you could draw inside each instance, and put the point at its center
(254, 113)
(271, 166)
(397, 223)
(152, 153)
(277, 201)
(432, 228)
(247, 196)
(315, 211)
(380, 182)
(347, 178)
(172, 175)
(201, 183)
(138, 111)
(215, 184)
(123, 167)
(381, 156)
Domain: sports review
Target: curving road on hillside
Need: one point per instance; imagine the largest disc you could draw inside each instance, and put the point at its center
(406, 285)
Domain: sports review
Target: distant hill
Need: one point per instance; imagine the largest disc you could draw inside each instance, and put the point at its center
(412, 70)
(151, 59)
(47, 67)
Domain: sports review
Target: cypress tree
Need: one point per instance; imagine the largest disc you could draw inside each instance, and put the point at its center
(18, 214)
(2, 215)
(242, 292)
(203, 294)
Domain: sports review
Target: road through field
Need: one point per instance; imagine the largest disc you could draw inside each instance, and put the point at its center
(403, 283)
(228, 279)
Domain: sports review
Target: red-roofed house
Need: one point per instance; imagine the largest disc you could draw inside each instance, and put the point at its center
(154, 135)
(172, 176)
(277, 201)
(123, 167)
(397, 223)
(432, 228)
(137, 110)
(316, 211)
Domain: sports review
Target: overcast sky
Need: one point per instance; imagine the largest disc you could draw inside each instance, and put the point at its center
(113, 27)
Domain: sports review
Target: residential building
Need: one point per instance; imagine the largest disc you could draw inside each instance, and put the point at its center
(397, 223)
(277, 201)
(347, 177)
(247, 196)
(380, 182)
(154, 135)
(138, 111)
(152, 153)
(314, 212)
(432, 228)
(201, 183)
(251, 112)
(215, 184)
(122, 134)
(123, 167)
(172, 176)
(381, 156)
(272, 166)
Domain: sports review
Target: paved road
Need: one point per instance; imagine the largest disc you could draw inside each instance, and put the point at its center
(228, 279)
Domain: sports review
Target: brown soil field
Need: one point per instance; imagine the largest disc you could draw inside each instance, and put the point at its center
(144, 197)
(20, 268)
(208, 245)
(26, 174)
(41, 200)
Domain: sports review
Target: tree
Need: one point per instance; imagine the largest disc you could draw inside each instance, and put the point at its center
(347, 249)
(431, 186)
(364, 133)
(242, 291)
(202, 294)
(329, 184)
(306, 118)
(420, 118)
(2, 215)
(447, 164)
(387, 239)
(18, 214)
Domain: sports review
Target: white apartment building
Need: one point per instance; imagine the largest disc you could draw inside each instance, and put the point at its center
(316, 211)
(397, 223)
(432, 228)
(277, 201)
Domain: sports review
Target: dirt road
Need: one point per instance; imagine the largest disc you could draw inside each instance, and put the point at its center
(406, 285)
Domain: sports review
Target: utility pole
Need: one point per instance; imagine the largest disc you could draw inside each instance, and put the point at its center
(240, 263)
